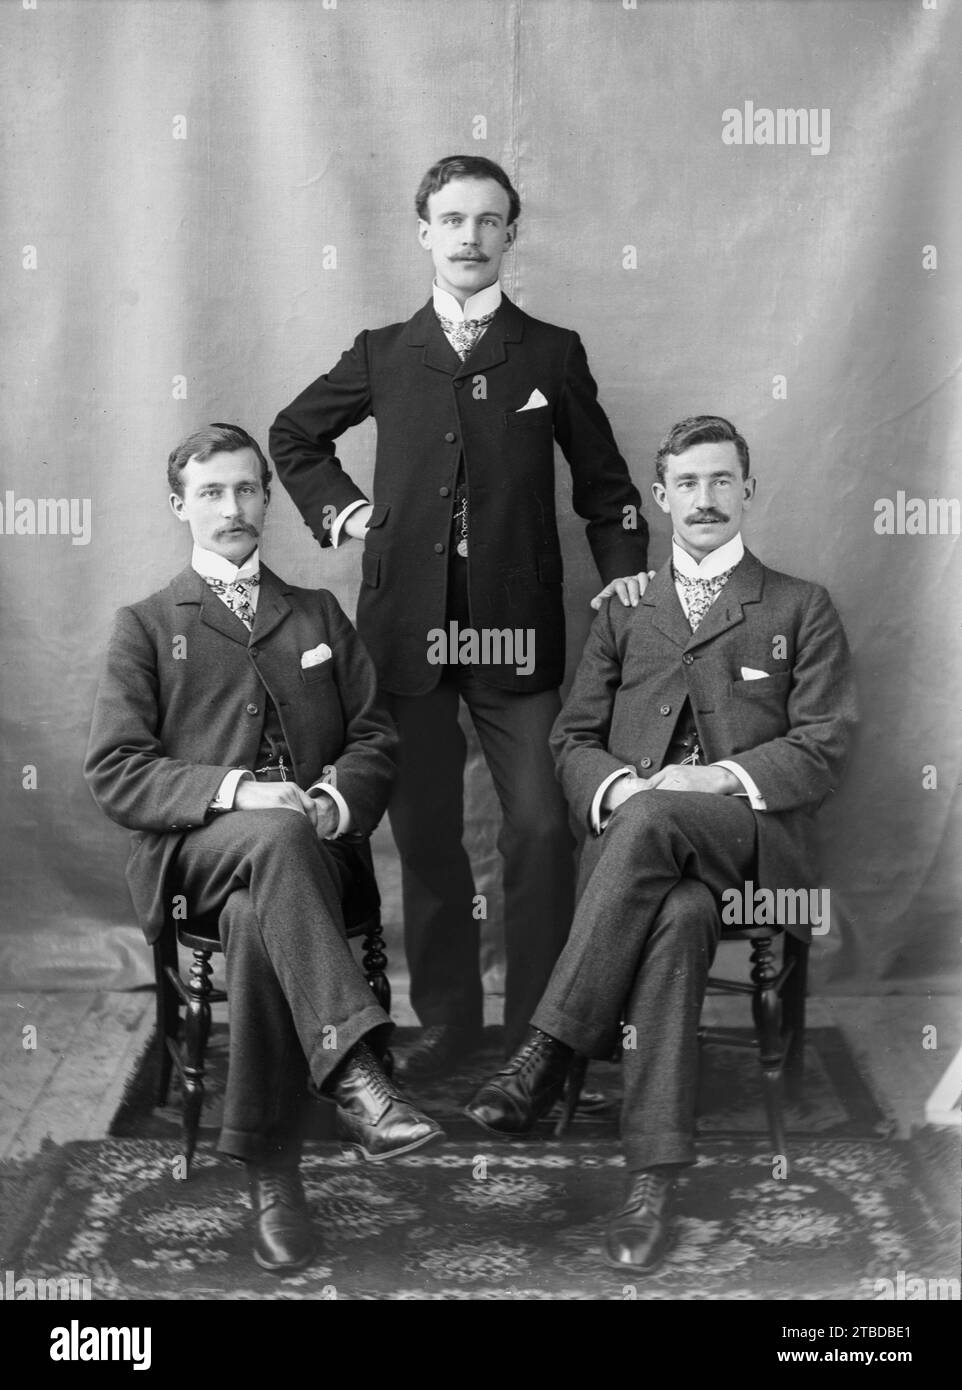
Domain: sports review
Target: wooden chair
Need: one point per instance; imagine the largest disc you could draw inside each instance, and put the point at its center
(778, 1010)
(183, 1042)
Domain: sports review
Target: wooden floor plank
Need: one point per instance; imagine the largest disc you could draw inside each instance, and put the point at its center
(27, 1070)
(95, 1048)
(89, 1044)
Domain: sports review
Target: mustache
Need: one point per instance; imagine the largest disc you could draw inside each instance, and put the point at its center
(472, 259)
(239, 526)
(700, 517)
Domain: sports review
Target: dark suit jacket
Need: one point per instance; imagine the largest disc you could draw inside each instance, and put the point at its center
(181, 702)
(429, 407)
(790, 732)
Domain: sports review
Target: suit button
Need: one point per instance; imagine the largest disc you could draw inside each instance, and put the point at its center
(687, 658)
(645, 762)
(458, 384)
(438, 548)
(450, 437)
(666, 709)
(255, 651)
(444, 492)
(251, 709)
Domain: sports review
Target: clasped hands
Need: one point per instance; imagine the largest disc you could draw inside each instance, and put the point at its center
(288, 796)
(677, 777)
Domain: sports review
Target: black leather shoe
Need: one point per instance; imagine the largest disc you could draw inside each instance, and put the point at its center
(372, 1114)
(437, 1052)
(525, 1088)
(638, 1233)
(283, 1239)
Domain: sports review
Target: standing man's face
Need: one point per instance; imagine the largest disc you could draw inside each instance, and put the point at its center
(467, 234)
(223, 503)
(706, 495)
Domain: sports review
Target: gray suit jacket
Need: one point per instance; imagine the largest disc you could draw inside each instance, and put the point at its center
(181, 702)
(789, 732)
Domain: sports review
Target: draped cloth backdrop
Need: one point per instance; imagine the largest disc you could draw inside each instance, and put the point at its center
(207, 199)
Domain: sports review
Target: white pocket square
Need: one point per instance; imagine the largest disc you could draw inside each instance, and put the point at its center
(533, 402)
(316, 655)
(749, 675)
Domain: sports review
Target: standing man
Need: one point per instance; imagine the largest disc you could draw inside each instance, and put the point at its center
(462, 583)
(702, 732)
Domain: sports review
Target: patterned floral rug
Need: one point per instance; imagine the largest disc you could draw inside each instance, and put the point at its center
(489, 1221)
(836, 1101)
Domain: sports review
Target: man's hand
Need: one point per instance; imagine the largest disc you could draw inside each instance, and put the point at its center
(619, 792)
(682, 777)
(275, 796)
(328, 816)
(356, 524)
(629, 589)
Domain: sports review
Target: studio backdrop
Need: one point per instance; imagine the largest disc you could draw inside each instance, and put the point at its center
(745, 207)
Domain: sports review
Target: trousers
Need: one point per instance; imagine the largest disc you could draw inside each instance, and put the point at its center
(635, 967)
(441, 931)
(298, 1000)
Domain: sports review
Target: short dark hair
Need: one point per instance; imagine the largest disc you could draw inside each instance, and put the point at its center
(208, 440)
(700, 429)
(464, 166)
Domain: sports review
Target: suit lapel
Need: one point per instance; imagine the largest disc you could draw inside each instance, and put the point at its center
(668, 616)
(189, 587)
(507, 326)
(744, 586)
(272, 605)
(425, 332)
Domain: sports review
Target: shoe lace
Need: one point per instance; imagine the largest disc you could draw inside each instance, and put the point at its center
(529, 1055)
(374, 1077)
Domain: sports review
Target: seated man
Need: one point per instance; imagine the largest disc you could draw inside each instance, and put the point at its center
(237, 733)
(704, 728)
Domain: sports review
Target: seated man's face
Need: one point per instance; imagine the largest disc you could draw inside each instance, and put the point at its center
(223, 503)
(705, 494)
(467, 234)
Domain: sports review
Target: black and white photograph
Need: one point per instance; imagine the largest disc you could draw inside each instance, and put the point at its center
(479, 664)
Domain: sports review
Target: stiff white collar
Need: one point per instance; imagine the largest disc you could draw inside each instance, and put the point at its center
(484, 302)
(713, 565)
(206, 562)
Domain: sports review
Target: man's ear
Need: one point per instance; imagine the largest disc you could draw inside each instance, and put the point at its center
(424, 234)
(177, 506)
(660, 495)
(510, 235)
(748, 490)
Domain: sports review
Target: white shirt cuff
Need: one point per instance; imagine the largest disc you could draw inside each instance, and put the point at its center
(594, 815)
(755, 798)
(343, 814)
(340, 519)
(224, 800)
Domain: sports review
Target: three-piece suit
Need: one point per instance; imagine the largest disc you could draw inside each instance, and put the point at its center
(652, 882)
(445, 425)
(184, 698)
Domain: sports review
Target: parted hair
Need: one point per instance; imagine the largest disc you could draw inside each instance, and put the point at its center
(700, 429)
(464, 166)
(208, 440)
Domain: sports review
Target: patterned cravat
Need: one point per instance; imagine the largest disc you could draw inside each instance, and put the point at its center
(464, 335)
(700, 594)
(237, 596)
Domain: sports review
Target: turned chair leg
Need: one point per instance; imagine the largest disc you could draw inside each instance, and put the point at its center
(168, 1018)
(793, 1013)
(374, 965)
(196, 1033)
(766, 1011)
